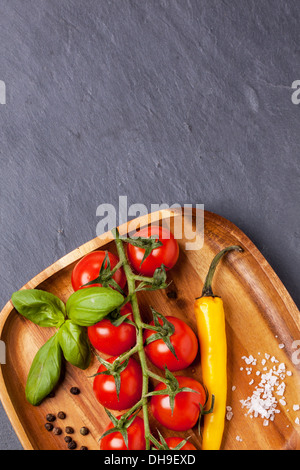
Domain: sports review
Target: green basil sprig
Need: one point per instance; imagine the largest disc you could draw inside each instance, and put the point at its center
(86, 307)
(40, 307)
(44, 372)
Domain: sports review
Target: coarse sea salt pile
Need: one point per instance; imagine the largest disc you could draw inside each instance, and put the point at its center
(269, 392)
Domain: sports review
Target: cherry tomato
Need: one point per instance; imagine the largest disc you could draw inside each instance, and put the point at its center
(104, 386)
(167, 254)
(113, 340)
(173, 442)
(185, 344)
(88, 268)
(186, 410)
(136, 437)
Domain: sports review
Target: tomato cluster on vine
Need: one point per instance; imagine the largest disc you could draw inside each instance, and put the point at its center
(169, 344)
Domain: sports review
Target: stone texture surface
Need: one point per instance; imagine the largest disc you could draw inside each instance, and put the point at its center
(162, 101)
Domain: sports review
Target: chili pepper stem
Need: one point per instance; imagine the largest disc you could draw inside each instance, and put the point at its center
(131, 278)
(207, 288)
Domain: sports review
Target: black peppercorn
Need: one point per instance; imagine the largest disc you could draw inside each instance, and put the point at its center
(61, 415)
(75, 391)
(50, 417)
(72, 445)
(172, 294)
(83, 448)
(68, 439)
(57, 431)
(49, 426)
(84, 431)
(69, 430)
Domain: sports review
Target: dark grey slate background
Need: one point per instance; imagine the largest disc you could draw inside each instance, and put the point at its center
(175, 101)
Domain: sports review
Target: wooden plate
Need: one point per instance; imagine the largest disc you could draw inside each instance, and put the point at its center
(261, 316)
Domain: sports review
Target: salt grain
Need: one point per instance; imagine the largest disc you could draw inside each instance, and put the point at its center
(280, 389)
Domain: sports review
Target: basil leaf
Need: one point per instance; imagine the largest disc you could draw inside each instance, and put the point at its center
(86, 307)
(74, 343)
(40, 307)
(44, 372)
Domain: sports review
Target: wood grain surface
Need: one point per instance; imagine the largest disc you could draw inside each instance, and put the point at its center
(260, 317)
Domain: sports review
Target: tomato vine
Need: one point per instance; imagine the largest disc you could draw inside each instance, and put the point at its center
(171, 385)
(131, 282)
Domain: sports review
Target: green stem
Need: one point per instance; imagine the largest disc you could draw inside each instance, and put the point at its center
(149, 280)
(156, 377)
(133, 409)
(155, 442)
(150, 327)
(131, 278)
(115, 269)
(129, 353)
(207, 288)
(126, 300)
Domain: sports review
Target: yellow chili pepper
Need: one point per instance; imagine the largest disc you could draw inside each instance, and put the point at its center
(210, 316)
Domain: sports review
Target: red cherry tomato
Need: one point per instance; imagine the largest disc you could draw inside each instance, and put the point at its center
(88, 268)
(104, 386)
(173, 442)
(136, 437)
(167, 254)
(186, 410)
(185, 345)
(113, 340)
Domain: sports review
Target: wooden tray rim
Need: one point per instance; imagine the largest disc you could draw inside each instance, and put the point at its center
(103, 239)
